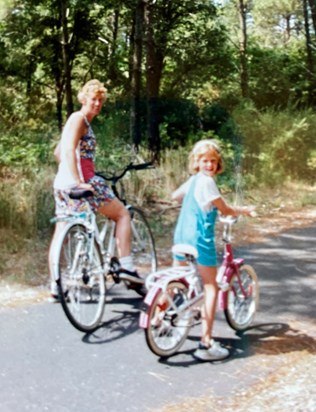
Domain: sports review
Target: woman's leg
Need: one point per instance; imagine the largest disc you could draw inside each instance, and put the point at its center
(58, 229)
(208, 274)
(116, 211)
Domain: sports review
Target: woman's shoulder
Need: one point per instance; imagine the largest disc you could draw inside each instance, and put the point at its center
(78, 116)
(76, 119)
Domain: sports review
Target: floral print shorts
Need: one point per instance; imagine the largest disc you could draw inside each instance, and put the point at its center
(102, 196)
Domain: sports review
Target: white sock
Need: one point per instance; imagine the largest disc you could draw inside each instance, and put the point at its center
(127, 263)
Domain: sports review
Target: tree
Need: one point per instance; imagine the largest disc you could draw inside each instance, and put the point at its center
(242, 11)
(136, 75)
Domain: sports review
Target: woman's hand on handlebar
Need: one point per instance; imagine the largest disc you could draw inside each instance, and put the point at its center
(84, 186)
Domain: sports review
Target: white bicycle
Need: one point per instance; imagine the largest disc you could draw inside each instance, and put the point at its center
(86, 257)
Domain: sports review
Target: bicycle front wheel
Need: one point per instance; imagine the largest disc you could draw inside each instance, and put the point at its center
(81, 279)
(142, 243)
(242, 298)
(168, 325)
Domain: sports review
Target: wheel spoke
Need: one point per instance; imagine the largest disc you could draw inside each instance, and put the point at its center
(81, 280)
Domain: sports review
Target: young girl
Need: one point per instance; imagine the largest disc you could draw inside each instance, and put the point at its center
(201, 200)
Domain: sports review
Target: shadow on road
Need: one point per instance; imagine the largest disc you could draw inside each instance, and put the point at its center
(268, 338)
(273, 339)
(123, 314)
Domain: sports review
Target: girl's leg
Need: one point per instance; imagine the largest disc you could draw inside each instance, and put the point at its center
(208, 274)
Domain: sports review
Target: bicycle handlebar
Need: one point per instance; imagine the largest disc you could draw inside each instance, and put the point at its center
(131, 166)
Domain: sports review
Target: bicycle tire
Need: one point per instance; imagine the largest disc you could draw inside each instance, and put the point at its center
(143, 248)
(240, 310)
(166, 331)
(81, 284)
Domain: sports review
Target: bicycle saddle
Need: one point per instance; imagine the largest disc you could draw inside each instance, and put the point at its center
(185, 250)
(77, 193)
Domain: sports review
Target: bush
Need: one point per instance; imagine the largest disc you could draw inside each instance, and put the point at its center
(278, 145)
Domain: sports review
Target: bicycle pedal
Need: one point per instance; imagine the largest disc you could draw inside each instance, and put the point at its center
(115, 266)
(115, 277)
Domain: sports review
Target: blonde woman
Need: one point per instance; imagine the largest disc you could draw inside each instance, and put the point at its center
(76, 153)
(201, 200)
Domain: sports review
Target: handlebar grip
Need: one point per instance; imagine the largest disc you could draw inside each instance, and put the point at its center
(142, 166)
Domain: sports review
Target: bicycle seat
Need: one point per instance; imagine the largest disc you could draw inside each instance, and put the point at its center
(185, 250)
(77, 193)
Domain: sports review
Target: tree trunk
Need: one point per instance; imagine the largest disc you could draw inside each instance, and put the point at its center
(112, 72)
(66, 58)
(309, 55)
(153, 75)
(312, 5)
(242, 9)
(135, 114)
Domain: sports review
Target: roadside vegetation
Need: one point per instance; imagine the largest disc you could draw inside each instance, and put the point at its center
(276, 174)
(176, 71)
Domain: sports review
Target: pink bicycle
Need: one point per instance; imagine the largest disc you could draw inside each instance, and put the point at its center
(173, 302)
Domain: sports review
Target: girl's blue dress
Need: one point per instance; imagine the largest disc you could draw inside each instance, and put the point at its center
(196, 227)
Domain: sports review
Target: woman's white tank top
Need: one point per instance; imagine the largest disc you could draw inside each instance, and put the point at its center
(64, 179)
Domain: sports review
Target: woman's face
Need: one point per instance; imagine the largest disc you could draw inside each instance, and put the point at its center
(93, 103)
(208, 164)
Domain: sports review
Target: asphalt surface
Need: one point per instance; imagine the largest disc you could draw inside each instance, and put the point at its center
(47, 365)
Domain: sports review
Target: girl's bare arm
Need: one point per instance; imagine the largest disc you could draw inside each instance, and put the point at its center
(226, 209)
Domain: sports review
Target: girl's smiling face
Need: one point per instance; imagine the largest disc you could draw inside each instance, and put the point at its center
(208, 164)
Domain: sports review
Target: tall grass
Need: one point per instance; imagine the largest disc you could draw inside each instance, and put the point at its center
(278, 151)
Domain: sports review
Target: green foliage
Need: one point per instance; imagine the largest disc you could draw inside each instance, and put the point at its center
(278, 145)
(24, 148)
(179, 118)
(284, 82)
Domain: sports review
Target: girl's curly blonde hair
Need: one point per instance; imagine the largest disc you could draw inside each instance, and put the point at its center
(202, 148)
(92, 86)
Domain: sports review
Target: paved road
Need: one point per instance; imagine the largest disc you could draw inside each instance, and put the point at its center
(47, 365)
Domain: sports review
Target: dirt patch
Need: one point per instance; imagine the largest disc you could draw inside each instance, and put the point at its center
(14, 294)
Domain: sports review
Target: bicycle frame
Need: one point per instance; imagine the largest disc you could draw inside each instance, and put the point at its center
(87, 219)
(159, 281)
(175, 298)
(229, 266)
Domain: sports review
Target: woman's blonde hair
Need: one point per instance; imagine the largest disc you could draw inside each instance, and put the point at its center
(92, 86)
(202, 148)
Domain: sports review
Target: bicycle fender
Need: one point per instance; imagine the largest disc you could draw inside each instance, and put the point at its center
(149, 299)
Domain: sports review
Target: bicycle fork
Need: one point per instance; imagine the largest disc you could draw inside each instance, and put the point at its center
(227, 270)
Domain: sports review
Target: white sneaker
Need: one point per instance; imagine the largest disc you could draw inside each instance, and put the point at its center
(54, 293)
(214, 353)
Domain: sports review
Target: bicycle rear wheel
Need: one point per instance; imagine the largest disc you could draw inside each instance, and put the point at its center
(168, 328)
(242, 298)
(81, 281)
(142, 244)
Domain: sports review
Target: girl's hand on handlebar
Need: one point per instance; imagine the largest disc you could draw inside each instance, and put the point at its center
(248, 211)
